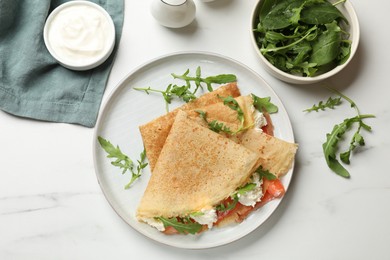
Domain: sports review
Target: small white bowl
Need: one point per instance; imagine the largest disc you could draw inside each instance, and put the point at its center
(347, 10)
(80, 35)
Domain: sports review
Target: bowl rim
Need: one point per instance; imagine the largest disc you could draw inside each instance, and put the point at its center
(307, 80)
(100, 58)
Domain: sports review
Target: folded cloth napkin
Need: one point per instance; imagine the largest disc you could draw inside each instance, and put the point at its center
(32, 83)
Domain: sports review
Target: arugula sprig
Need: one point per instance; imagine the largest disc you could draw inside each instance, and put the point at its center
(183, 225)
(223, 207)
(265, 174)
(172, 90)
(233, 104)
(218, 79)
(186, 92)
(123, 161)
(231, 204)
(214, 125)
(221, 127)
(330, 103)
(330, 147)
(261, 104)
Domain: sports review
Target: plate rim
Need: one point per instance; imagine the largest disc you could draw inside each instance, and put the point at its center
(122, 83)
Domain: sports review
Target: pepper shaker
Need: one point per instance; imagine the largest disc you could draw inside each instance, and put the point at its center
(173, 13)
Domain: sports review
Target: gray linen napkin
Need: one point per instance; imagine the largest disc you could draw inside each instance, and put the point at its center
(32, 83)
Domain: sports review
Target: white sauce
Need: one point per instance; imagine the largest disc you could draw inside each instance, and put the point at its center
(158, 224)
(207, 217)
(80, 34)
(251, 197)
(260, 120)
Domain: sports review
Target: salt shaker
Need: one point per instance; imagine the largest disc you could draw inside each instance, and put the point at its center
(173, 13)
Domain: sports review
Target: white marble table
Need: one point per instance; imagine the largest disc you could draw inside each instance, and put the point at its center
(51, 206)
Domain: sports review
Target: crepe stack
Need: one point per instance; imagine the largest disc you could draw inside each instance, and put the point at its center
(197, 168)
(155, 132)
(194, 168)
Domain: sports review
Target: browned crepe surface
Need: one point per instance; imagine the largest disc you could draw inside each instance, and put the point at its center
(276, 155)
(155, 132)
(197, 169)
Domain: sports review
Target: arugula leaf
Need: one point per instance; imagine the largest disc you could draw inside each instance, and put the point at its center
(221, 127)
(123, 161)
(264, 103)
(356, 140)
(229, 205)
(321, 13)
(202, 115)
(279, 15)
(185, 92)
(196, 214)
(181, 92)
(233, 104)
(266, 8)
(218, 79)
(327, 47)
(330, 103)
(183, 226)
(140, 166)
(296, 14)
(265, 174)
(292, 44)
(345, 51)
(246, 188)
(330, 147)
(214, 125)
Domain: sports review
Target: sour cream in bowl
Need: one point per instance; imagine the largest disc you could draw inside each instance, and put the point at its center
(80, 35)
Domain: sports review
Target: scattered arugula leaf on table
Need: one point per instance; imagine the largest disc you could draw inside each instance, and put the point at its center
(330, 103)
(330, 147)
(123, 161)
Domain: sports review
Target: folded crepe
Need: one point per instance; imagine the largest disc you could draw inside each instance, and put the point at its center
(224, 114)
(196, 170)
(155, 132)
(276, 155)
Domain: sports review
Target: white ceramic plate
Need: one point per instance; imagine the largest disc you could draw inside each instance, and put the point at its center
(126, 109)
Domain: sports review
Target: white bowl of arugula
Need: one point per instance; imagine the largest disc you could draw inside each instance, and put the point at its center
(304, 41)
